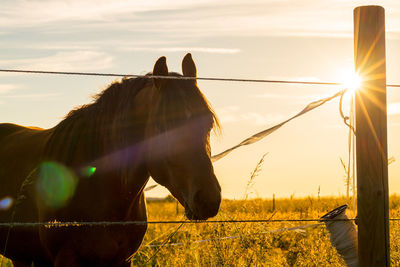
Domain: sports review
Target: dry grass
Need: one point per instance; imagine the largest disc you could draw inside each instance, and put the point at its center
(308, 247)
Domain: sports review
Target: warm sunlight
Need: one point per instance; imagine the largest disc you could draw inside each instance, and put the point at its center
(351, 81)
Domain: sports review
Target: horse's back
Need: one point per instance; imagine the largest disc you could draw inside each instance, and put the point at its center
(14, 136)
(8, 128)
(21, 150)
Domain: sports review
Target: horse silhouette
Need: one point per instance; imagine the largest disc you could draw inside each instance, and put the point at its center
(94, 165)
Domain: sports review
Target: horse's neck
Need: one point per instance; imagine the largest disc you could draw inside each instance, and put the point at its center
(128, 161)
(98, 137)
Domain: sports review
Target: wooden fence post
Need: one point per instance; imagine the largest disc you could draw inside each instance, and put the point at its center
(371, 134)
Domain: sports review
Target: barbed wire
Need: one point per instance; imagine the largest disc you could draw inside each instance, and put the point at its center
(56, 224)
(178, 77)
(127, 223)
(166, 77)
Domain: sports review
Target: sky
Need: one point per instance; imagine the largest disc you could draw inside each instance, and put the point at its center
(290, 40)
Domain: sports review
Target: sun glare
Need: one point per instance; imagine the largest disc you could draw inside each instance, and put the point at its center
(351, 81)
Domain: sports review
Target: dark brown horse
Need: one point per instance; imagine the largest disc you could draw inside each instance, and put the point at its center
(94, 165)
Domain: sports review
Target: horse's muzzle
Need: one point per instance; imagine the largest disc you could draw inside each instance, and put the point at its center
(205, 204)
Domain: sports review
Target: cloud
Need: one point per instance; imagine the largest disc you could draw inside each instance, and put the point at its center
(227, 114)
(92, 44)
(65, 61)
(22, 13)
(288, 96)
(6, 88)
(261, 119)
(322, 91)
(38, 96)
(211, 50)
(7, 92)
(231, 114)
(196, 18)
(393, 109)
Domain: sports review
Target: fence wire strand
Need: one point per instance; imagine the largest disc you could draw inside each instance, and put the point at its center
(319, 222)
(127, 223)
(166, 77)
(124, 223)
(176, 77)
(309, 107)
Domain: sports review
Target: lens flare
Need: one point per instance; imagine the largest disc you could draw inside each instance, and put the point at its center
(352, 81)
(88, 171)
(6, 203)
(56, 184)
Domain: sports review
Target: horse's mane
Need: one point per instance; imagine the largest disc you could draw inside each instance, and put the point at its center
(99, 116)
(107, 117)
(109, 98)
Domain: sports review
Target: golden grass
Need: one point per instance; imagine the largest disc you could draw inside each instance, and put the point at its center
(305, 247)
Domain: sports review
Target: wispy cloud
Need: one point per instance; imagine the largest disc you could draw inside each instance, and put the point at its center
(205, 17)
(39, 96)
(211, 50)
(297, 94)
(95, 44)
(233, 114)
(6, 88)
(227, 114)
(20, 12)
(262, 119)
(288, 96)
(10, 91)
(67, 61)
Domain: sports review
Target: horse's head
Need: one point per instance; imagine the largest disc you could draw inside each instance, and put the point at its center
(178, 147)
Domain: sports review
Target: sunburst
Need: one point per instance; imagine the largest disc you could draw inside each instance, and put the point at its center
(352, 81)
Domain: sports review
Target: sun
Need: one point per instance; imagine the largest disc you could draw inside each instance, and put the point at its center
(351, 81)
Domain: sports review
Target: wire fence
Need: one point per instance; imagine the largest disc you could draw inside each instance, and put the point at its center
(317, 222)
(249, 140)
(177, 77)
(127, 223)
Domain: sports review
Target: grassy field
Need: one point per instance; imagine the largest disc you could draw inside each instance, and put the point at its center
(253, 244)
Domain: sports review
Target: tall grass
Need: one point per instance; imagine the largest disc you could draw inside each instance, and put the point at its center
(253, 245)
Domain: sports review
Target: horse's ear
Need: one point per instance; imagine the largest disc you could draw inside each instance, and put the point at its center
(188, 66)
(160, 69)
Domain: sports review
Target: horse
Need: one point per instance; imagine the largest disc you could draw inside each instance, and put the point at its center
(95, 163)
